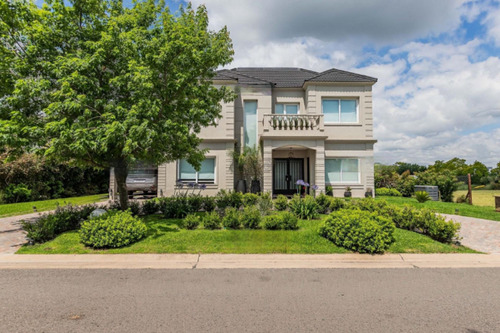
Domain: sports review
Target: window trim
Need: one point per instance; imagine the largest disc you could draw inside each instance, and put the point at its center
(197, 173)
(356, 100)
(341, 181)
(256, 122)
(284, 108)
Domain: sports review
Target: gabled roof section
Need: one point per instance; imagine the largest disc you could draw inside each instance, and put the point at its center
(337, 75)
(288, 77)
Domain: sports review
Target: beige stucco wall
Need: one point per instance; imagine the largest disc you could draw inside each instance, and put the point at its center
(224, 171)
(363, 93)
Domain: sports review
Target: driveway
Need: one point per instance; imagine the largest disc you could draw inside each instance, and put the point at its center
(12, 237)
(478, 234)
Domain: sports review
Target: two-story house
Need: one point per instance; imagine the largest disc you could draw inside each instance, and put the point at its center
(317, 127)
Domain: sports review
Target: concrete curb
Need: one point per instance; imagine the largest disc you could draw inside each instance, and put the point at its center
(247, 261)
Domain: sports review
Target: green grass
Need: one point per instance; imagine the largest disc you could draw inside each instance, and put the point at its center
(487, 213)
(164, 236)
(484, 198)
(44, 205)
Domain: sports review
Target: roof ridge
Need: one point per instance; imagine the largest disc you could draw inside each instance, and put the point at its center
(253, 77)
(342, 71)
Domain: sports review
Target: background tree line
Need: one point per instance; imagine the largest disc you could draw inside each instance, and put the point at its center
(30, 177)
(448, 176)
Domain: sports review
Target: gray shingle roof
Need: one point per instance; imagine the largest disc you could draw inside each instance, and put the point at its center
(286, 77)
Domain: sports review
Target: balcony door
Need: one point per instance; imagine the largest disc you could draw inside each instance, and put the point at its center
(286, 172)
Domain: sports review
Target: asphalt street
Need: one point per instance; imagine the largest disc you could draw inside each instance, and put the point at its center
(250, 300)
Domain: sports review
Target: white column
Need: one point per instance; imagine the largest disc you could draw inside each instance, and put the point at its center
(319, 178)
(268, 166)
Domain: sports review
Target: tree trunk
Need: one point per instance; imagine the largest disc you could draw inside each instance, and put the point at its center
(121, 173)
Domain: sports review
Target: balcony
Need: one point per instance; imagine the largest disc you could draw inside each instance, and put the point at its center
(301, 125)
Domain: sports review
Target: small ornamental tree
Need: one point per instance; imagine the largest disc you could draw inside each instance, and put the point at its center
(104, 85)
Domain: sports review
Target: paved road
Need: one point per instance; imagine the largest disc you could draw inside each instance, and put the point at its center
(239, 300)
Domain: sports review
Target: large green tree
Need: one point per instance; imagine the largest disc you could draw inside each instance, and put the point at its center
(105, 85)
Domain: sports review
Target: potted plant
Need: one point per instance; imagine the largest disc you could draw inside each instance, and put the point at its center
(329, 190)
(347, 193)
(369, 193)
(253, 167)
(239, 161)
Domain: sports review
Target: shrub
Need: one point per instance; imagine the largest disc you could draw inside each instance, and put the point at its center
(426, 222)
(115, 229)
(323, 202)
(211, 221)
(226, 199)
(389, 192)
(281, 221)
(231, 219)
(250, 217)
(461, 199)
(250, 199)
(191, 221)
(175, 207)
(16, 193)
(50, 180)
(336, 204)
(439, 229)
(359, 231)
(265, 204)
(369, 204)
(272, 222)
(422, 196)
(329, 190)
(48, 226)
(304, 208)
(135, 207)
(195, 201)
(150, 207)
(208, 204)
(281, 202)
(288, 221)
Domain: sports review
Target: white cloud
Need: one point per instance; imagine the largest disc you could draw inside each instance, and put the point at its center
(492, 21)
(434, 99)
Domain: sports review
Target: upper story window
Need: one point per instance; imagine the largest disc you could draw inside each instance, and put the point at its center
(206, 175)
(250, 123)
(340, 110)
(281, 108)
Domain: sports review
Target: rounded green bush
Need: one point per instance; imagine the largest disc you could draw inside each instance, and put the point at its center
(211, 221)
(192, 221)
(150, 207)
(272, 222)
(232, 218)
(250, 199)
(323, 202)
(114, 229)
(289, 221)
(390, 192)
(281, 202)
(251, 217)
(359, 231)
(281, 221)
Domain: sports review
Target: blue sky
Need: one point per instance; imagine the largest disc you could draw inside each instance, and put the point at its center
(437, 64)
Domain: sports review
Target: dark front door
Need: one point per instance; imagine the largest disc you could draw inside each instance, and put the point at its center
(286, 172)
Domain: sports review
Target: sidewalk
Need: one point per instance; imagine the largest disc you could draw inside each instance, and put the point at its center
(247, 261)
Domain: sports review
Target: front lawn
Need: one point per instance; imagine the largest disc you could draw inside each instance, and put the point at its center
(44, 205)
(164, 236)
(463, 209)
